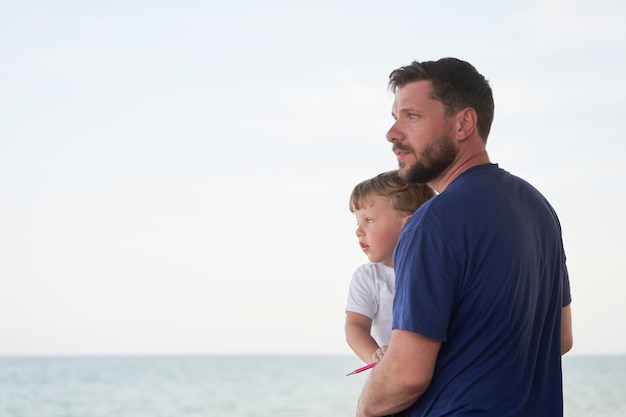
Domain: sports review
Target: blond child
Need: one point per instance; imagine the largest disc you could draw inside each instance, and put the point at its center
(382, 205)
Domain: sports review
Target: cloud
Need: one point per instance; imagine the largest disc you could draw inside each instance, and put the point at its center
(307, 112)
(579, 23)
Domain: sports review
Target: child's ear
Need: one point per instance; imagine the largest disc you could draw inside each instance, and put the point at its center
(406, 219)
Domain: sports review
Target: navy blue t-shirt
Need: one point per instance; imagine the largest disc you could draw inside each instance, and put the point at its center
(481, 268)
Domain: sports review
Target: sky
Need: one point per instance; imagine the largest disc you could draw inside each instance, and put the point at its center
(174, 176)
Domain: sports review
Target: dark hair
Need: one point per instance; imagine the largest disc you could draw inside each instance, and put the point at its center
(455, 83)
(401, 196)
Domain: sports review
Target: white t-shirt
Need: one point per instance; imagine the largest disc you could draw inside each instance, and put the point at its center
(371, 294)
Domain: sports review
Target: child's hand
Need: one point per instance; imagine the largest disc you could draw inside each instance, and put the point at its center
(380, 352)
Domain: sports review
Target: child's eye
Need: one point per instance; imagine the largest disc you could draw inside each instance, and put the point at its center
(369, 220)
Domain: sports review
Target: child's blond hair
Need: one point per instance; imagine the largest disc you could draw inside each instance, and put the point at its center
(401, 196)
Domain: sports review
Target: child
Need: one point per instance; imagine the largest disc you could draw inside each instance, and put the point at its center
(382, 205)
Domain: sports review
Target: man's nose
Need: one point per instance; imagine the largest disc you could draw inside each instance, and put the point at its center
(393, 134)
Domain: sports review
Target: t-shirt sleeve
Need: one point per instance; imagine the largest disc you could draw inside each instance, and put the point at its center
(426, 265)
(362, 294)
(567, 296)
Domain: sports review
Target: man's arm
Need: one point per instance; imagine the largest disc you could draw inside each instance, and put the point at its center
(401, 376)
(567, 338)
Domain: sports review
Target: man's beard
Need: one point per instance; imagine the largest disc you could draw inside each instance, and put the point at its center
(435, 159)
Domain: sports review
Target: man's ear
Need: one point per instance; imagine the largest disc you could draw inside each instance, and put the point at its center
(467, 123)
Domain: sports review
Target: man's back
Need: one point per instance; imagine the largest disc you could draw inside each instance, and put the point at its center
(481, 268)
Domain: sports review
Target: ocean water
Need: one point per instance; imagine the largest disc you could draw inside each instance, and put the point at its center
(241, 386)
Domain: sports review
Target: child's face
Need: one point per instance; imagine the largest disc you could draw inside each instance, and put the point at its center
(379, 228)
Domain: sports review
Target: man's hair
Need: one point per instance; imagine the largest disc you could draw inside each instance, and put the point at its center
(400, 195)
(455, 83)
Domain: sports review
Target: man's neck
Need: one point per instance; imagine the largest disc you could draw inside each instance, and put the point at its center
(440, 183)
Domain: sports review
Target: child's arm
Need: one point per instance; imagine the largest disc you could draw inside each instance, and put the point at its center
(358, 335)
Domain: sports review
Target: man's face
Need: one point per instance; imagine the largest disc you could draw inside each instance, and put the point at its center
(422, 136)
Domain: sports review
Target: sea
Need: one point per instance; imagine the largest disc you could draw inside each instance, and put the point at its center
(241, 386)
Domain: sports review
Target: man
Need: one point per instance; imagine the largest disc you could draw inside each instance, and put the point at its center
(481, 311)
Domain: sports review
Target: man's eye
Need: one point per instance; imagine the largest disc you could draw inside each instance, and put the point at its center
(412, 116)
